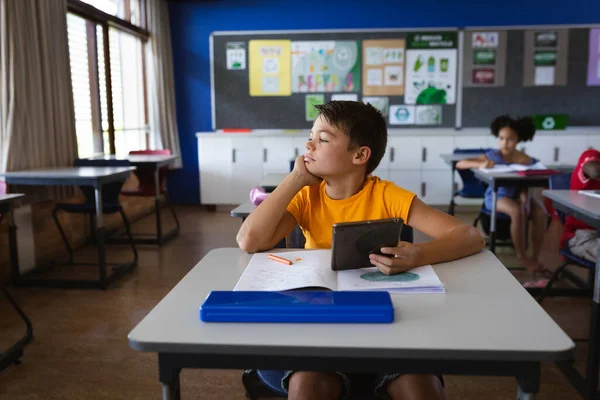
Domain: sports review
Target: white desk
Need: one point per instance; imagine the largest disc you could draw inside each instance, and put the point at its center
(269, 182)
(141, 160)
(587, 209)
(80, 176)
(514, 180)
(487, 324)
(243, 210)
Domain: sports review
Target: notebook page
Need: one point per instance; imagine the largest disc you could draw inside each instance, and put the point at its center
(309, 269)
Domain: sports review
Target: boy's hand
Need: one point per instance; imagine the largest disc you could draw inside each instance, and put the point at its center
(487, 164)
(306, 178)
(404, 257)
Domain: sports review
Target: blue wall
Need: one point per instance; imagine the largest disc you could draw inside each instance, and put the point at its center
(192, 22)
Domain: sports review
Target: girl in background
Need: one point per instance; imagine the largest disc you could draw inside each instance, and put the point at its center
(512, 201)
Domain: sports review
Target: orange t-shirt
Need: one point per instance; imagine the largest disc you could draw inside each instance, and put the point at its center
(316, 213)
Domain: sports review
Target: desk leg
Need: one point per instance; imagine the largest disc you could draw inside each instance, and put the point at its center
(527, 387)
(13, 249)
(157, 206)
(593, 359)
(100, 233)
(452, 174)
(169, 378)
(493, 220)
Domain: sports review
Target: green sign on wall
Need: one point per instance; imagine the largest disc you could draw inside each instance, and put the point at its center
(432, 40)
(550, 122)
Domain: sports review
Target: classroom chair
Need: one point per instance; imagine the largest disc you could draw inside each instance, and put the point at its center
(563, 182)
(110, 203)
(471, 187)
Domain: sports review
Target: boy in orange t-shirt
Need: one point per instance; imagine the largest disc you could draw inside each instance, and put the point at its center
(331, 183)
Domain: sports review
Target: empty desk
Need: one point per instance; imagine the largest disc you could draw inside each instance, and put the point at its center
(80, 176)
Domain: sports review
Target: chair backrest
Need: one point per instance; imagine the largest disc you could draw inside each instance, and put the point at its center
(110, 191)
(146, 176)
(472, 187)
(161, 152)
(560, 182)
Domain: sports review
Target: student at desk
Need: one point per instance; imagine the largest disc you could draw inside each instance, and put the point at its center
(331, 184)
(581, 238)
(510, 201)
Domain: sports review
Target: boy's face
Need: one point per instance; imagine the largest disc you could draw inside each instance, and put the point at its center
(327, 153)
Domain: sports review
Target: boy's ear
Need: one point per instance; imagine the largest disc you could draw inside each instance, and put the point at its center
(362, 155)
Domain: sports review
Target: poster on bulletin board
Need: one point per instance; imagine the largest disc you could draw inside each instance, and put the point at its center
(383, 67)
(431, 65)
(593, 78)
(269, 70)
(545, 58)
(325, 66)
(484, 58)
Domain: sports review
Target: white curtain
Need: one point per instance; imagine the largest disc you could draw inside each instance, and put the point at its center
(37, 118)
(160, 79)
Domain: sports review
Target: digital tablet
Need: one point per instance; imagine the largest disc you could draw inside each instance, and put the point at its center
(353, 242)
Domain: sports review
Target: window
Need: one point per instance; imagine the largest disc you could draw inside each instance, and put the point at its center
(127, 10)
(129, 107)
(121, 124)
(81, 45)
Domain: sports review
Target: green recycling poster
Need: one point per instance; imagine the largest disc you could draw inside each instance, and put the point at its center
(431, 65)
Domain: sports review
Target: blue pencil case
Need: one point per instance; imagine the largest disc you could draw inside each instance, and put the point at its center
(298, 306)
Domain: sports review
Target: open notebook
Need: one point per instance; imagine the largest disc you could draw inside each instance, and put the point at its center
(514, 168)
(312, 268)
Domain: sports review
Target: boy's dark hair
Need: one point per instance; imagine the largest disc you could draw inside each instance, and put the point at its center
(524, 127)
(362, 123)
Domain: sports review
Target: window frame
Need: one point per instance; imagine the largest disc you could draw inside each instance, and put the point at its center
(106, 21)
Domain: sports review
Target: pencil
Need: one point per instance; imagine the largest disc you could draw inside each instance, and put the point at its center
(280, 259)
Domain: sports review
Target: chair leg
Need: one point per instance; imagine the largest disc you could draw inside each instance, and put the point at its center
(128, 231)
(476, 220)
(551, 282)
(62, 234)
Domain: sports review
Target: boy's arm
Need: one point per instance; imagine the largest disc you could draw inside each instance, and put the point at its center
(476, 162)
(270, 221)
(591, 169)
(451, 240)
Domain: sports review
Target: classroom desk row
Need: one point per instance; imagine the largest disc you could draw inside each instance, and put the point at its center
(95, 177)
